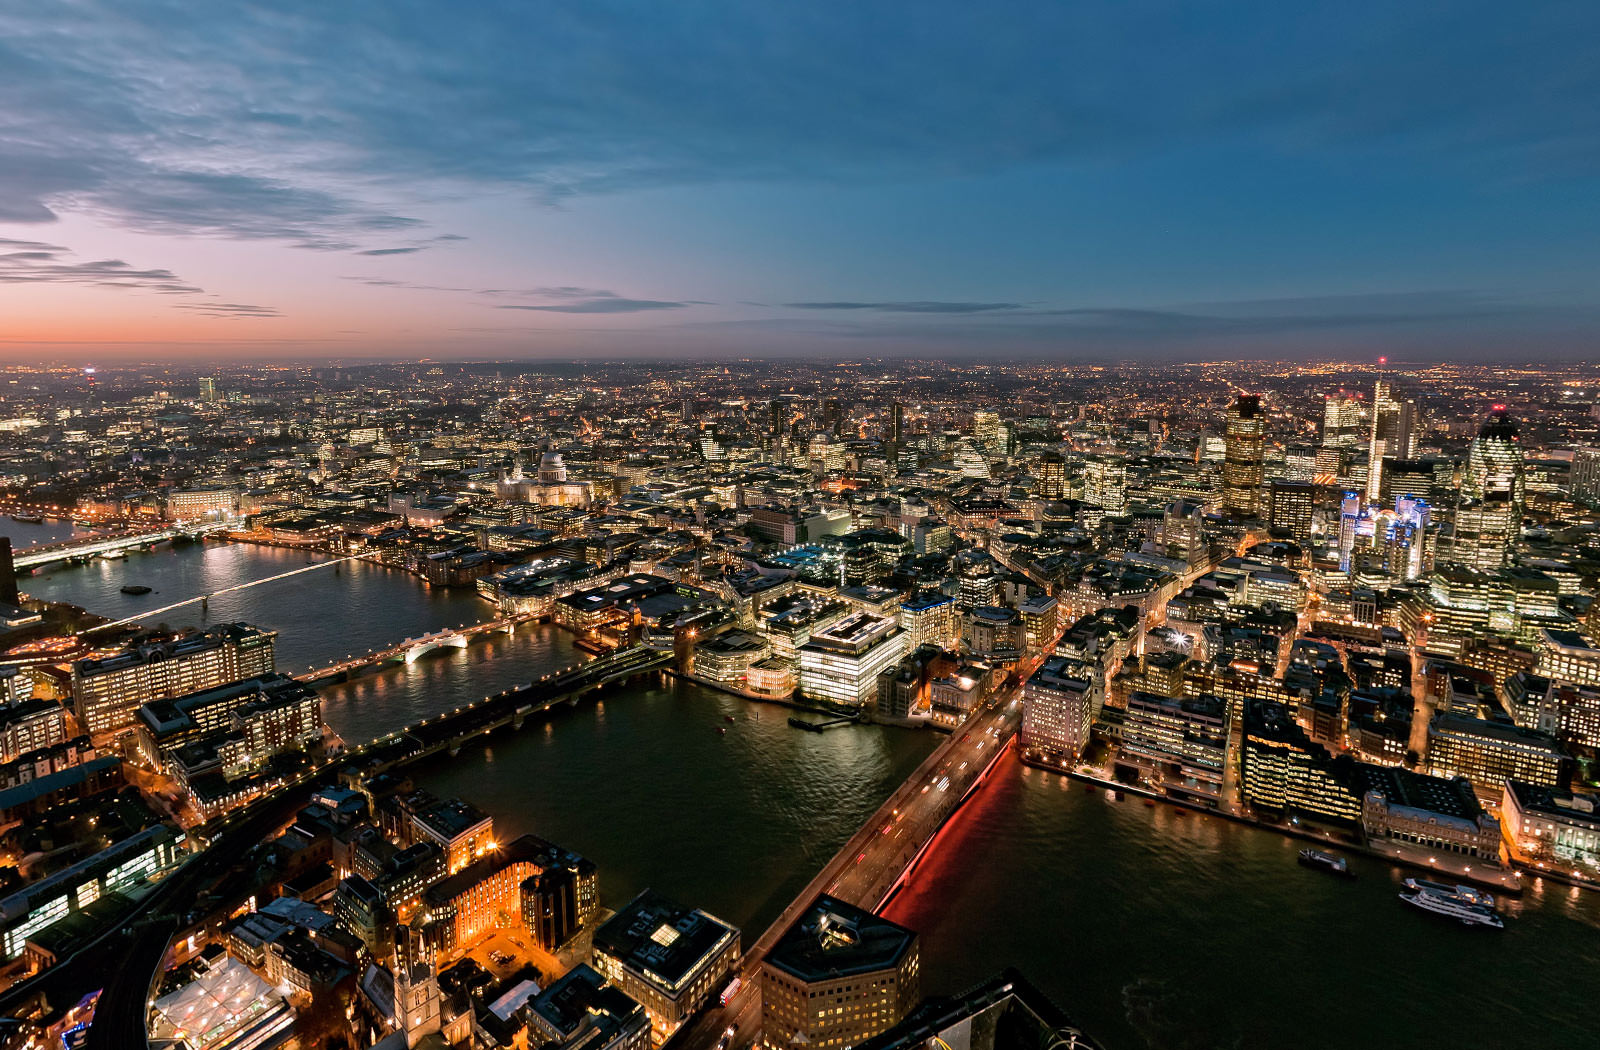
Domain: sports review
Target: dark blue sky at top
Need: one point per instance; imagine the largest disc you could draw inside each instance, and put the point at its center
(1031, 179)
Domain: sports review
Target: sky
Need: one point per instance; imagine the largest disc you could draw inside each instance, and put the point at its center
(1066, 180)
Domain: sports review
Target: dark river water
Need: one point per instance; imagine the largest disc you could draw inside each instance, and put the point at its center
(1153, 930)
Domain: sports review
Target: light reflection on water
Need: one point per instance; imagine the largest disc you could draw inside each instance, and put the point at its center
(1155, 930)
(1167, 931)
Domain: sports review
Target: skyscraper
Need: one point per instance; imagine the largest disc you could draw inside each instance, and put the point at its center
(832, 417)
(1105, 483)
(1052, 476)
(1292, 507)
(1586, 473)
(1484, 531)
(1494, 462)
(1341, 421)
(1394, 426)
(1242, 471)
(1488, 515)
(986, 428)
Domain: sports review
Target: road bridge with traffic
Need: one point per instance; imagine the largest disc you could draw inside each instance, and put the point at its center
(884, 854)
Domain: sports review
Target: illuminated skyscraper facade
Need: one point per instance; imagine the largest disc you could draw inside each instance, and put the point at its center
(1341, 421)
(1393, 436)
(1242, 471)
(1494, 462)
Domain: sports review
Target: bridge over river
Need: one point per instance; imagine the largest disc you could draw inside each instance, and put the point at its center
(87, 547)
(408, 650)
(883, 854)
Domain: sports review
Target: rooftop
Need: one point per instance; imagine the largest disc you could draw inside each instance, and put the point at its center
(661, 939)
(835, 939)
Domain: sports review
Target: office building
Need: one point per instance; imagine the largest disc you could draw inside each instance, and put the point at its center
(1283, 772)
(1293, 507)
(549, 906)
(489, 893)
(1563, 709)
(462, 831)
(360, 906)
(669, 958)
(1568, 656)
(993, 632)
(1181, 743)
(116, 869)
(1383, 541)
(106, 692)
(1105, 483)
(257, 717)
(986, 429)
(1393, 435)
(1051, 476)
(1183, 535)
(1434, 814)
(1242, 470)
(1341, 421)
(202, 504)
(929, 619)
(1059, 704)
(837, 977)
(1040, 623)
(1485, 531)
(840, 664)
(1494, 460)
(1585, 474)
(1489, 753)
(1545, 825)
(977, 578)
(580, 1011)
(31, 724)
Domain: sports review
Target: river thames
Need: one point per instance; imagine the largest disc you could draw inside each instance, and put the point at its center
(1155, 930)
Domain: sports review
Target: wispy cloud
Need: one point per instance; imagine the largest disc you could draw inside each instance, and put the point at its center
(556, 299)
(35, 262)
(39, 262)
(924, 306)
(609, 305)
(229, 309)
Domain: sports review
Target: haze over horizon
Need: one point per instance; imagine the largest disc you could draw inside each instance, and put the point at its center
(1124, 180)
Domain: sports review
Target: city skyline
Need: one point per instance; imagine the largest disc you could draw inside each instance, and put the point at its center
(760, 706)
(721, 180)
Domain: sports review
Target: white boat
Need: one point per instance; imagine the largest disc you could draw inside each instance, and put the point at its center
(1481, 898)
(114, 556)
(1461, 903)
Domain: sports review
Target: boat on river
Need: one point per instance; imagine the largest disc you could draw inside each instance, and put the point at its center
(1329, 862)
(1468, 906)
